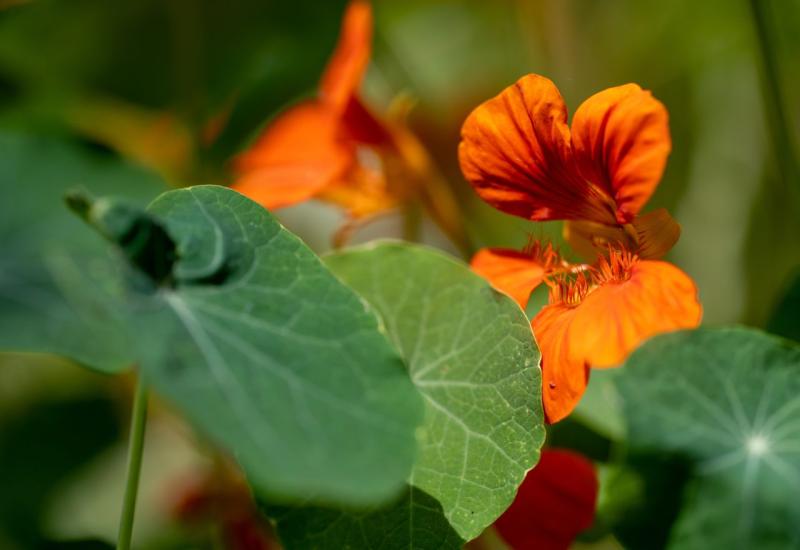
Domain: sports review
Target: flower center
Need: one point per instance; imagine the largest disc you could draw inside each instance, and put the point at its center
(544, 254)
(569, 290)
(616, 267)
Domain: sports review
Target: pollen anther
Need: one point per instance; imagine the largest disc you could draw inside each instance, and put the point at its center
(616, 267)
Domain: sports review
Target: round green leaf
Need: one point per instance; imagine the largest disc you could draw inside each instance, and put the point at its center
(470, 352)
(273, 357)
(728, 400)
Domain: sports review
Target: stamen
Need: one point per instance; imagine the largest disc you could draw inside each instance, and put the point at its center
(544, 253)
(616, 267)
(572, 283)
(568, 290)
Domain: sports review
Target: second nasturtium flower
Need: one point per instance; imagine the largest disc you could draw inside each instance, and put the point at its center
(329, 147)
(521, 157)
(335, 148)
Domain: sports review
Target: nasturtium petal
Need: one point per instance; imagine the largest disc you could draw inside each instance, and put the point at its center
(267, 353)
(60, 288)
(511, 271)
(618, 316)
(728, 400)
(298, 155)
(347, 65)
(656, 234)
(564, 378)
(470, 352)
(517, 153)
(621, 141)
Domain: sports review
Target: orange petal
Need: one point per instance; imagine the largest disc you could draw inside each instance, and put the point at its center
(564, 379)
(297, 156)
(346, 67)
(515, 151)
(510, 271)
(616, 317)
(657, 232)
(621, 141)
(554, 504)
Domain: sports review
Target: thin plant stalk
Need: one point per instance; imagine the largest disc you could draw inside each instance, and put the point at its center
(135, 448)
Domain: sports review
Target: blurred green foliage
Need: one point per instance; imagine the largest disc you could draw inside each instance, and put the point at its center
(53, 268)
(39, 448)
(785, 318)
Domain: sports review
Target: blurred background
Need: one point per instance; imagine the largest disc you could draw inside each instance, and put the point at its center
(182, 86)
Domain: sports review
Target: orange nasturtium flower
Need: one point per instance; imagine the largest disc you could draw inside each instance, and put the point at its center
(335, 149)
(521, 157)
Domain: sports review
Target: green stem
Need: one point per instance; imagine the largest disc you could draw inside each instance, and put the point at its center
(135, 446)
(781, 134)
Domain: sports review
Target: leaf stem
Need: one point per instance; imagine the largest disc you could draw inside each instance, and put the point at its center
(774, 105)
(135, 447)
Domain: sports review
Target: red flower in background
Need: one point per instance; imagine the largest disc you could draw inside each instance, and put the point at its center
(521, 157)
(554, 504)
(225, 502)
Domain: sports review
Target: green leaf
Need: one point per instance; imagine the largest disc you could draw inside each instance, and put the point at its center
(637, 519)
(471, 354)
(727, 400)
(272, 356)
(59, 286)
(416, 520)
(139, 236)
